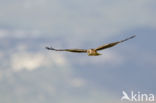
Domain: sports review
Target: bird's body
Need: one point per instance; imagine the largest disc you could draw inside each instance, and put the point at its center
(92, 52)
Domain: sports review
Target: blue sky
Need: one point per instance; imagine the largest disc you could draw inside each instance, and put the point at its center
(29, 73)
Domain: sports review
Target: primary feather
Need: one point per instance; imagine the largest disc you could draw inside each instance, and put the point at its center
(69, 50)
(113, 44)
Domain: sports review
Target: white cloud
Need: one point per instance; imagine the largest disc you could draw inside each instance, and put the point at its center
(60, 59)
(32, 61)
(27, 61)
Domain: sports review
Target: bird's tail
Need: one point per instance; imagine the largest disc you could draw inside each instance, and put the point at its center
(127, 38)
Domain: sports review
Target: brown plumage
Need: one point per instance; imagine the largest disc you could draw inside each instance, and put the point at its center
(92, 52)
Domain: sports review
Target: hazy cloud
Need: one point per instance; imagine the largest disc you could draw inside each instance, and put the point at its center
(77, 82)
(26, 61)
(31, 61)
(108, 57)
(19, 33)
(43, 76)
(77, 20)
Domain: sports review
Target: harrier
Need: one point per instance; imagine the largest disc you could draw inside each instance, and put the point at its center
(92, 52)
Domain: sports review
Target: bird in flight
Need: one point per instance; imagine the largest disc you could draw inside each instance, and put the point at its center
(92, 52)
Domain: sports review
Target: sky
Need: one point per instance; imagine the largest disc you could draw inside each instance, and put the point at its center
(31, 74)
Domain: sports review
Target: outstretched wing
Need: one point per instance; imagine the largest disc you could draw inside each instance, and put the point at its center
(69, 50)
(113, 44)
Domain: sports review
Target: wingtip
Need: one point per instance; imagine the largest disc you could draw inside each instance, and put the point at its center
(49, 48)
(133, 36)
